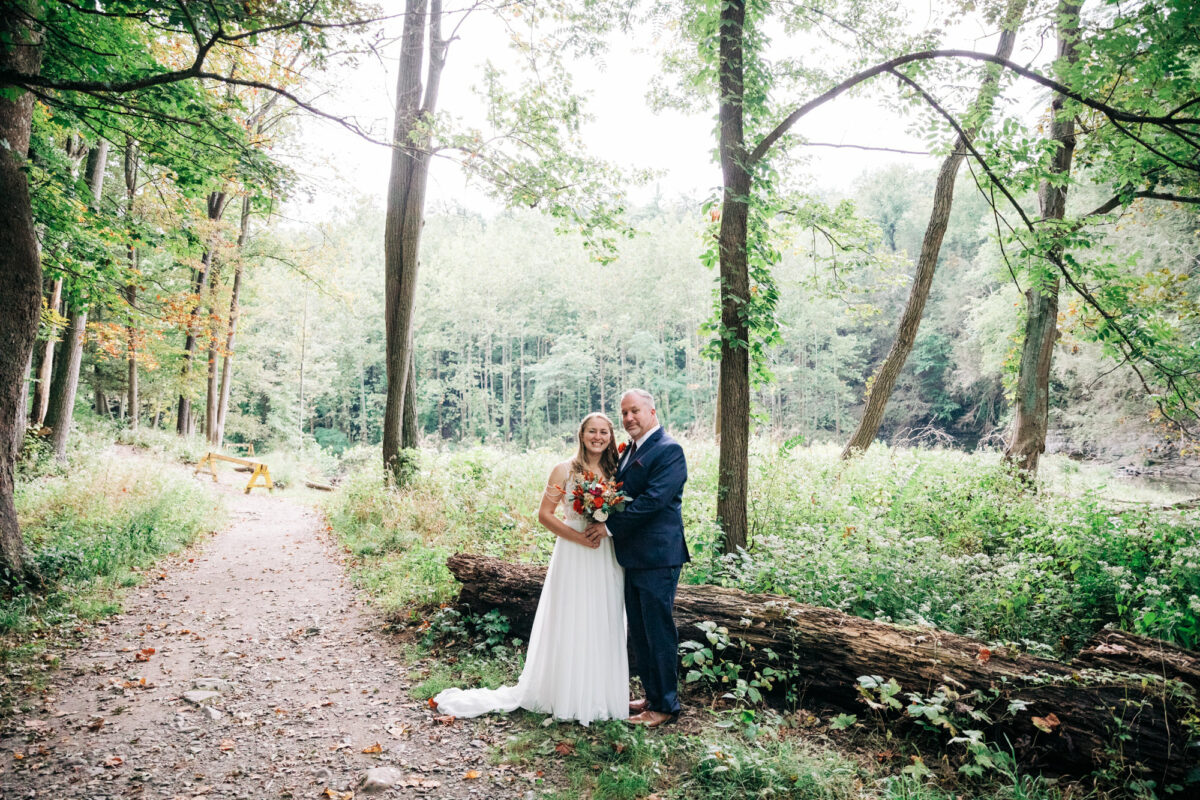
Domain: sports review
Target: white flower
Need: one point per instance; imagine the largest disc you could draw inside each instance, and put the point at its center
(600, 516)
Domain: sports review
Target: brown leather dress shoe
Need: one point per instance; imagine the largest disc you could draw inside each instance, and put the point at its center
(637, 706)
(652, 719)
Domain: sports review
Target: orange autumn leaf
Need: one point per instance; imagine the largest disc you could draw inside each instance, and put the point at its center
(983, 655)
(375, 748)
(1047, 723)
(444, 720)
(143, 654)
(227, 744)
(565, 748)
(471, 774)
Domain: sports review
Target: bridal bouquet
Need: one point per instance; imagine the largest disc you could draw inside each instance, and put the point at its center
(596, 498)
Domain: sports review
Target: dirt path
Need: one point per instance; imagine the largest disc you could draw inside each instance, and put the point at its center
(247, 667)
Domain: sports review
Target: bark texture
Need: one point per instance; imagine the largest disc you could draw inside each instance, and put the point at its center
(734, 380)
(1031, 403)
(406, 209)
(20, 264)
(827, 651)
(884, 380)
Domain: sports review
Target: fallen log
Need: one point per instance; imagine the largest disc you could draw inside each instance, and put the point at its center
(1106, 705)
(324, 487)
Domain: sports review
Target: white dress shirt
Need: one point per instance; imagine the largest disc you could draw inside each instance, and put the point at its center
(641, 440)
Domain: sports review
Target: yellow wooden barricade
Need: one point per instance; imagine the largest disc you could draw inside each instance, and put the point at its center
(260, 469)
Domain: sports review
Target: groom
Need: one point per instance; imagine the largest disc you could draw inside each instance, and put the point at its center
(648, 539)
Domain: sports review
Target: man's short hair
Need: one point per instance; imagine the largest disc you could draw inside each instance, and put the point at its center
(642, 393)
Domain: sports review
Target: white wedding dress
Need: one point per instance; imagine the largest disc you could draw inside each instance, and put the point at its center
(577, 666)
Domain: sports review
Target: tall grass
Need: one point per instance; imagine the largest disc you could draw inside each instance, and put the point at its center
(942, 538)
(90, 525)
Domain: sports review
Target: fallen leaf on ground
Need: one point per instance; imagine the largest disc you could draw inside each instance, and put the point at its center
(96, 724)
(983, 655)
(565, 748)
(375, 748)
(1047, 723)
(144, 654)
(472, 774)
(445, 720)
(334, 795)
(227, 744)
(113, 761)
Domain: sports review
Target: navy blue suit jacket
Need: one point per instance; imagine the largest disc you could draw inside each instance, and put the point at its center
(649, 532)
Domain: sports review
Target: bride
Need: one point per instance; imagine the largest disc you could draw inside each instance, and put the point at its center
(577, 665)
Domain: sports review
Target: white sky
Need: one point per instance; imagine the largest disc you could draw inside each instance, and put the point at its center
(336, 165)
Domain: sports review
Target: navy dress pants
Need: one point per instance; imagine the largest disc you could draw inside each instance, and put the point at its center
(649, 608)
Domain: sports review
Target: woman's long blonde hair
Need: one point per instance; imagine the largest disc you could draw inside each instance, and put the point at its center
(608, 459)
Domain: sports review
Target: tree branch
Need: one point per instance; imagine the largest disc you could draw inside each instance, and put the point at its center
(890, 66)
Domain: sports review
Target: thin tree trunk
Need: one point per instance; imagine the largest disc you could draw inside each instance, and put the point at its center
(131, 172)
(227, 359)
(22, 420)
(185, 420)
(406, 209)
(880, 388)
(212, 395)
(41, 402)
(362, 408)
(735, 284)
(131, 378)
(303, 346)
(66, 378)
(410, 439)
(1032, 398)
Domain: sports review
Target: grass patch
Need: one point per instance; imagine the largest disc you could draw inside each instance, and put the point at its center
(92, 528)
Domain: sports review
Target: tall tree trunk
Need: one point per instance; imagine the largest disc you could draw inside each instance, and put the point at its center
(409, 438)
(41, 401)
(303, 346)
(406, 209)
(22, 421)
(884, 380)
(131, 337)
(66, 378)
(1032, 401)
(131, 378)
(20, 263)
(227, 359)
(735, 284)
(214, 333)
(185, 420)
(362, 403)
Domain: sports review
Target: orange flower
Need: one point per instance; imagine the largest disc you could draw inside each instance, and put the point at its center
(578, 506)
(597, 502)
(621, 447)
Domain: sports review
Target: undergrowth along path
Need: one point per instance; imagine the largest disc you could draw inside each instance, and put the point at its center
(245, 667)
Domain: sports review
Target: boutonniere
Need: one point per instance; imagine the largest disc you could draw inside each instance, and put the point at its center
(621, 448)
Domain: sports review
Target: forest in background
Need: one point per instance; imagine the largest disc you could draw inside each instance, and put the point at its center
(520, 333)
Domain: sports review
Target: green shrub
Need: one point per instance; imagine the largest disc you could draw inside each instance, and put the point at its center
(91, 526)
(926, 537)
